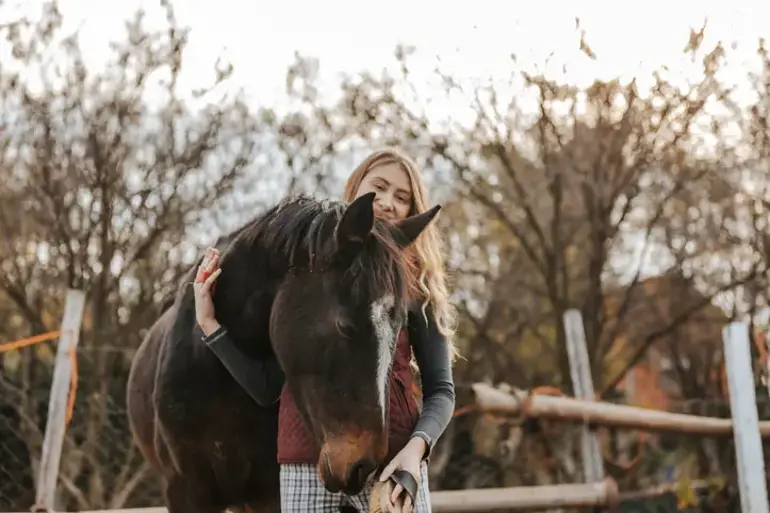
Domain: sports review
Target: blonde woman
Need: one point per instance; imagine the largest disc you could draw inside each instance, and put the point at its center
(399, 193)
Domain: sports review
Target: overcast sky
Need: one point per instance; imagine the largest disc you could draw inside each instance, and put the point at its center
(261, 37)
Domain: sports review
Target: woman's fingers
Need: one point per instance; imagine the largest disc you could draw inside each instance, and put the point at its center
(208, 264)
(385, 498)
(388, 470)
(396, 492)
(206, 288)
(213, 262)
(200, 274)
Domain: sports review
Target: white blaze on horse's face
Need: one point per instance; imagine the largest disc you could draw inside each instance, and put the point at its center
(386, 340)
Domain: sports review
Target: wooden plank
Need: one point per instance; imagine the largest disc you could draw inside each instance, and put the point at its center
(583, 385)
(526, 498)
(491, 400)
(57, 404)
(494, 499)
(743, 408)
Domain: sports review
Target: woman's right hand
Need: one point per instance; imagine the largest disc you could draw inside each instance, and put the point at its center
(205, 278)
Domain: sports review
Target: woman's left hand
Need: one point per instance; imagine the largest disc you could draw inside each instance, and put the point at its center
(205, 281)
(409, 458)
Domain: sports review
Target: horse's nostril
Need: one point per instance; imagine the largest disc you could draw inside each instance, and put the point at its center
(358, 474)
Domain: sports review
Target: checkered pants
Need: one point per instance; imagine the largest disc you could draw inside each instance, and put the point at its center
(303, 492)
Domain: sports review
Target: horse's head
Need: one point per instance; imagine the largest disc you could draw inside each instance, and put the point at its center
(333, 327)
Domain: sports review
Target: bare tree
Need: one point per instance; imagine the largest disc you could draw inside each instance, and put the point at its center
(100, 189)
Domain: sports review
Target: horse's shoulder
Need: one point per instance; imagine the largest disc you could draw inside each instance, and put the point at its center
(183, 359)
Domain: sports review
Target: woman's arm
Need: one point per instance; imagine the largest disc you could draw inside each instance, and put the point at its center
(262, 379)
(432, 354)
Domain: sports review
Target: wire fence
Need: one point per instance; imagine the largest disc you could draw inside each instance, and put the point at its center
(25, 380)
(101, 468)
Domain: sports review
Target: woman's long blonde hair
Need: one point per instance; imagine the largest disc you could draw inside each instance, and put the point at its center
(427, 249)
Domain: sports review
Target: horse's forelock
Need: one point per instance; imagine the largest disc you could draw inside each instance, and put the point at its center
(301, 229)
(385, 266)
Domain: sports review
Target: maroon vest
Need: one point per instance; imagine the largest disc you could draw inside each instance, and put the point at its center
(296, 444)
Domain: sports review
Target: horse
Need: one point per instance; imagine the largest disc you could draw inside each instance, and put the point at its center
(322, 286)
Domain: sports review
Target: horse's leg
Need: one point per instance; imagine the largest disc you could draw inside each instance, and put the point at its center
(185, 495)
(188, 487)
(272, 505)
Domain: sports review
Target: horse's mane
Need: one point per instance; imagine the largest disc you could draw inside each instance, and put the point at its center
(298, 231)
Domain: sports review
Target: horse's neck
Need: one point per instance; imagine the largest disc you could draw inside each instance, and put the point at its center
(243, 299)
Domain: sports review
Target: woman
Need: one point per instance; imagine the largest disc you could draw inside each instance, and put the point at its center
(399, 193)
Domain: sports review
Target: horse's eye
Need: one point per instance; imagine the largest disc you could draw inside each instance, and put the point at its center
(344, 326)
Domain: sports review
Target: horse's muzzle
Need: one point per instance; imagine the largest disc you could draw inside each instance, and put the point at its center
(326, 475)
(344, 466)
(355, 479)
(358, 475)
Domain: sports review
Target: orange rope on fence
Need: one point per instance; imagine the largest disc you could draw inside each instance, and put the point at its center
(43, 337)
(546, 390)
(24, 342)
(73, 385)
(463, 410)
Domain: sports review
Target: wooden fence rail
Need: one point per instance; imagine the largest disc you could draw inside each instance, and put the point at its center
(492, 400)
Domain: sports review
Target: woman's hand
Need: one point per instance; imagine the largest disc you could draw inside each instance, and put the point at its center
(386, 504)
(409, 458)
(205, 278)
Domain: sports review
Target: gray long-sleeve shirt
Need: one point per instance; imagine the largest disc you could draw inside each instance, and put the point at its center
(438, 391)
(261, 378)
(264, 379)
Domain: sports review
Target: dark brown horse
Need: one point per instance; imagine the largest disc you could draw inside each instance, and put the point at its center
(323, 286)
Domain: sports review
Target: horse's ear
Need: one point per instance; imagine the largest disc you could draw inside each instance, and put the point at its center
(407, 231)
(357, 221)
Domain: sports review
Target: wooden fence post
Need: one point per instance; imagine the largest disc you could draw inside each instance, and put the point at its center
(582, 383)
(743, 409)
(57, 403)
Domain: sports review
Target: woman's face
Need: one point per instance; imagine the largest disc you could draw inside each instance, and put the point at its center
(393, 191)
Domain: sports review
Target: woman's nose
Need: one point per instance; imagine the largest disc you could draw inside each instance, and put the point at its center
(385, 203)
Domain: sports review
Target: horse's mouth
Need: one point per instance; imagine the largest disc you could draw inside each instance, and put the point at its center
(330, 482)
(328, 464)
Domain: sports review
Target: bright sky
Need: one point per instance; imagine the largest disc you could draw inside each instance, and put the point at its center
(261, 37)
